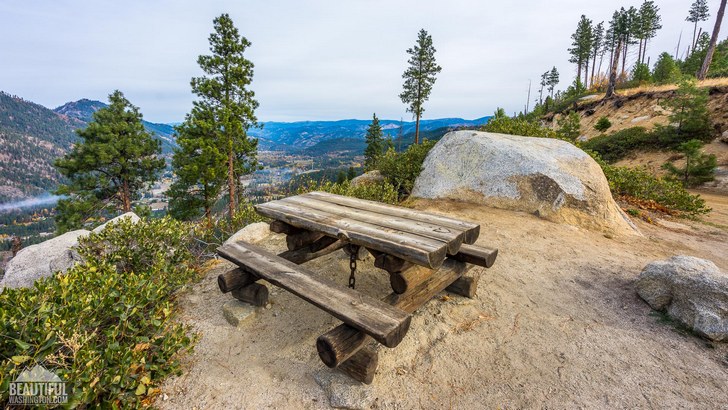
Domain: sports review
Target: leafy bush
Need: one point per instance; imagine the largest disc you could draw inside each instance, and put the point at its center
(570, 126)
(617, 145)
(637, 183)
(105, 327)
(401, 169)
(603, 124)
(381, 192)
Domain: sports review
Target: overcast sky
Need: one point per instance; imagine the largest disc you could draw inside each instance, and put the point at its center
(314, 60)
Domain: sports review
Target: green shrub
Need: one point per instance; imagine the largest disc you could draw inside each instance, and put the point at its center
(570, 126)
(642, 185)
(699, 167)
(210, 237)
(603, 124)
(381, 192)
(617, 145)
(105, 327)
(401, 169)
(522, 127)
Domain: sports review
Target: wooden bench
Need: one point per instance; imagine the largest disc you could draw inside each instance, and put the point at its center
(423, 253)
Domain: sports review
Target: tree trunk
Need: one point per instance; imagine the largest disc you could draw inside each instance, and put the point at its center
(586, 74)
(578, 72)
(644, 52)
(713, 40)
(695, 38)
(613, 71)
(125, 196)
(639, 53)
(624, 54)
(417, 129)
(594, 65)
(231, 181)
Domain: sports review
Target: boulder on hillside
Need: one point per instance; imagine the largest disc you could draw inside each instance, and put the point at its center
(252, 233)
(42, 260)
(691, 290)
(131, 215)
(547, 177)
(368, 178)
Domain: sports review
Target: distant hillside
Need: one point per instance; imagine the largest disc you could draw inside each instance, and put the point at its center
(83, 110)
(33, 136)
(303, 135)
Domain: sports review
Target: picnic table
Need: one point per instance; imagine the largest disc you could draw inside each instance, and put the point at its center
(423, 253)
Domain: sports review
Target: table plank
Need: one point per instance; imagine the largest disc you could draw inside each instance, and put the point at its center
(416, 249)
(470, 229)
(385, 323)
(452, 237)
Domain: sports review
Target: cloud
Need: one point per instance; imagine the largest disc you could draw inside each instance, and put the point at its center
(320, 59)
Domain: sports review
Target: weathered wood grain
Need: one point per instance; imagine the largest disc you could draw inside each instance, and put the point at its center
(362, 366)
(477, 255)
(301, 239)
(470, 229)
(256, 294)
(409, 278)
(282, 227)
(343, 341)
(466, 285)
(323, 246)
(234, 279)
(417, 249)
(383, 322)
(452, 237)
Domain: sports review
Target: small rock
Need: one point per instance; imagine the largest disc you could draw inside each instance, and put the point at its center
(693, 291)
(724, 137)
(368, 178)
(236, 312)
(640, 119)
(131, 215)
(582, 138)
(252, 233)
(343, 391)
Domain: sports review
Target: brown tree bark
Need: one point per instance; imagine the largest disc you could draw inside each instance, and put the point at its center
(125, 196)
(613, 71)
(713, 40)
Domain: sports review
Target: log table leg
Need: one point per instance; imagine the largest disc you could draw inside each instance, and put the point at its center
(234, 279)
(342, 342)
(256, 294)
(362, 365)
(466, 285)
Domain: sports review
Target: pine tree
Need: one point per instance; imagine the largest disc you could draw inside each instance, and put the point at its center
(698, 12)
(597, 45)
(419, 77)
(199, 165)
(225, 92)
(699, 167)
(689, 107)
(570, 126)
(713, 41)
(666, 70)
(553, 80)
(108, 169)
(375, 144)
(543, 83)
(649, 22)
(581, 45)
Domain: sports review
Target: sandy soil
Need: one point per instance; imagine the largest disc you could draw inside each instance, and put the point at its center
(556, 324)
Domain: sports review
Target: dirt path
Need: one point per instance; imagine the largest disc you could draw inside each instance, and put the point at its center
(556, 324)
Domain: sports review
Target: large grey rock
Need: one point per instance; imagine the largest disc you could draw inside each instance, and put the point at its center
(691, 290)
(252, 233)
(368, 178)
(131, 215)
(42, 260)
(548, 177)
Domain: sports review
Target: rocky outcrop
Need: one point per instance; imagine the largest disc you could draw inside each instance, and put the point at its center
(42, 260)
(252, 233)
(691, 290)
(368, 178)
(131, 215)
(547, 177)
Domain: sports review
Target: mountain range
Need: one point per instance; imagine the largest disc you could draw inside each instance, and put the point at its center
(33, 136)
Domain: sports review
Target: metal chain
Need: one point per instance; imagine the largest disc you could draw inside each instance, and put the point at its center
(353, 253)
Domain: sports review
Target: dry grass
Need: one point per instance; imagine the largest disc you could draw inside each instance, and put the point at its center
(711, 82)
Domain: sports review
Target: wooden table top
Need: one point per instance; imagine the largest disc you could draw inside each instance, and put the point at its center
(419, 237)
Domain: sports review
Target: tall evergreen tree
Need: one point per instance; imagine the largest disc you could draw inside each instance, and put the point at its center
(543, 83)
(553, 80)
(375, 144)
(225, 92)
(108, 169)
(649, 22)
(419, 77)
(200, 166)
(698, 12)
(597, 45)
(713, 41)
(630, 26)
(581, 46)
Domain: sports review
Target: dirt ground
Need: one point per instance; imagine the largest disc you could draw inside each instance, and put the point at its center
(556, 324)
